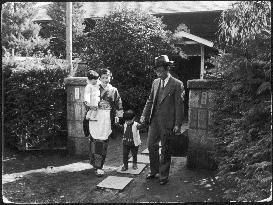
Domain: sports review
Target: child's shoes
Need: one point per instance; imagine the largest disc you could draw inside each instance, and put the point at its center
(123, 168)
(135, 166)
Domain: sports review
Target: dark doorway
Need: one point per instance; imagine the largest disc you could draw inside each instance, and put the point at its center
(184, 70)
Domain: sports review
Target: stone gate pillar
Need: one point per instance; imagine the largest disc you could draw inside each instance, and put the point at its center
(201, 144)
(77, 143)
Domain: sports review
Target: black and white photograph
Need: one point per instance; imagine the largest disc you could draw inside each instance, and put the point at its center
(136, 102)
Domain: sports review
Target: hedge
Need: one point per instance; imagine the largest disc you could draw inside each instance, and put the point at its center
(34, 102)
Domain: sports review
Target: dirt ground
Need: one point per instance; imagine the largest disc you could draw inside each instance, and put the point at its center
(80, 187)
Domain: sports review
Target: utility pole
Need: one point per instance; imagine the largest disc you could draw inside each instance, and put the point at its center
(69, 36)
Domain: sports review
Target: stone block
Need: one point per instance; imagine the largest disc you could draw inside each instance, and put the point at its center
(82, 93)
(208, 142)
(78, 132)
(202, 118)
(81, 146)
(70, 127)
(210, 122)
(70, 111)
(191, 159)
(203, 84)
(193, 116)
(194, 98)
(69, 94)
(195, 137)
(75, 81)
(200, 159)
(70, 145)
(210, 98)
(79, 112)
(203, 140)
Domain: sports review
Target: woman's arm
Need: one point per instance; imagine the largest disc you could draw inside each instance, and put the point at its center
(118, 105)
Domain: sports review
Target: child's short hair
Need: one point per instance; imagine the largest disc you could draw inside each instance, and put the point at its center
(92, 75)
(129, 115)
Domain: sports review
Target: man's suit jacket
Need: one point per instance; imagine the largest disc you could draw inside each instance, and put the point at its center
(171, 108)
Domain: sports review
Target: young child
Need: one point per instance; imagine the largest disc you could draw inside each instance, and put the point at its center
(92, 95)
(131, 139)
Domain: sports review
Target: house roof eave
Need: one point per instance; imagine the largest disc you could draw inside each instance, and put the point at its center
(195, 38)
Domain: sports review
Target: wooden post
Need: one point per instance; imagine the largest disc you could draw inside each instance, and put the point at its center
(202, 62)
(69, 35)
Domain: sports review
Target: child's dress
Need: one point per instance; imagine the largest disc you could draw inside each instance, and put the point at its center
(92, 97)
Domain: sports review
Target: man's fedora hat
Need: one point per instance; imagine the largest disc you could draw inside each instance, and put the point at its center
(162, 60)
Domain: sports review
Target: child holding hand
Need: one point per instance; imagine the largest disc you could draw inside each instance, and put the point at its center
(130, 139)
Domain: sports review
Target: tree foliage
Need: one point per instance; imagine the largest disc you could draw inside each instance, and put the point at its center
(242, 118)
(127, 41)
(18, 30)
(56, 29)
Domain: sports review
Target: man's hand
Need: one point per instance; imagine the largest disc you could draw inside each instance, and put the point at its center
(116, 119)
(176, 130)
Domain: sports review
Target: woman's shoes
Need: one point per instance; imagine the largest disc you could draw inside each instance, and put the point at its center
(99, 172)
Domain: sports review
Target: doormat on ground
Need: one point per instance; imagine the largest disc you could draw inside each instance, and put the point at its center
(114, 182)
(130, 170)
(141, 159)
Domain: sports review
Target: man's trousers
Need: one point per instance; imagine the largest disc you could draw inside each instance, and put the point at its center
(158, 164)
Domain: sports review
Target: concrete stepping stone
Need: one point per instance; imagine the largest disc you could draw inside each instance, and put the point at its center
(141, 159)
(131, 170)
(114, 182)
(146, 151)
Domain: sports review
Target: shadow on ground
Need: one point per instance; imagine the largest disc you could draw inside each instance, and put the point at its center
(80, 187)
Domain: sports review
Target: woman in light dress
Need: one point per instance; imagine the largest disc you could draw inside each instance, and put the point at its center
(109, 111)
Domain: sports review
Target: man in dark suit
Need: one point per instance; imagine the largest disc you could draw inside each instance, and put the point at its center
(163, 113)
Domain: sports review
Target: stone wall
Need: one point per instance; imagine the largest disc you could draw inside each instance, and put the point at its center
(77, 143)
(201, 143)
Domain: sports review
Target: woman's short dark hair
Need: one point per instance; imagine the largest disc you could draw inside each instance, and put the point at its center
(92, 75)
(129, 115)
(105, 71)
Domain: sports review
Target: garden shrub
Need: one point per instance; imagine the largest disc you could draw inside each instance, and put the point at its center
(34, 102)
(242, 112)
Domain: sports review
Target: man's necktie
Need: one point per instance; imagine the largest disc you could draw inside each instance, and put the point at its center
(163, 82)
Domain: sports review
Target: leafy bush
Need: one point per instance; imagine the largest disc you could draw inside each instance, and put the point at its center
(127, 41)
(242, 118)
(34, 101)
